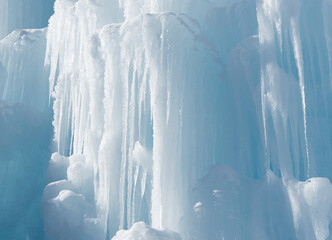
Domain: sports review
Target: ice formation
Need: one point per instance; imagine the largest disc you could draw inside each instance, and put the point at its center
(172, 119)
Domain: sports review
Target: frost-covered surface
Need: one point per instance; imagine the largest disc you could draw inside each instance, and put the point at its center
(24, 150)
(208, 118)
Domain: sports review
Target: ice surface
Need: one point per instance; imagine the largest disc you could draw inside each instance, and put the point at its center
(274, 209)
(152, 99)
(262, 206)
(295, 87)
(311, 204)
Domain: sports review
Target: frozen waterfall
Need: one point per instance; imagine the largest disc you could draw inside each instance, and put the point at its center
(188, 119)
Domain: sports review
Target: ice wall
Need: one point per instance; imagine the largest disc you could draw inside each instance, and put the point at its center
(151, 99)
(262, 208)
(294, 49)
